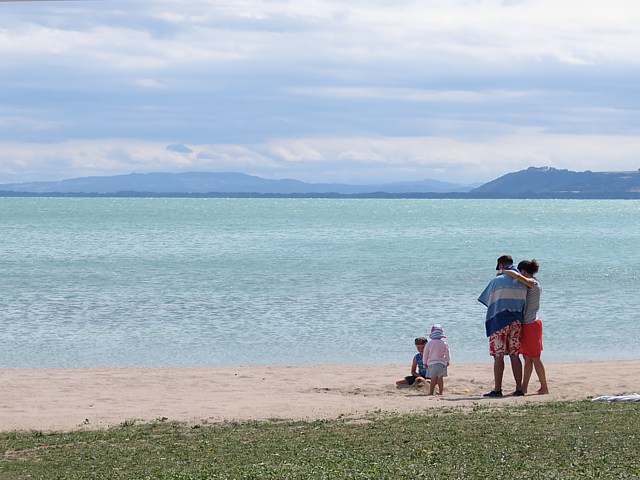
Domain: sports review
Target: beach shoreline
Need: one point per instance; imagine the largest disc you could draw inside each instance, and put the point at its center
(95, 398)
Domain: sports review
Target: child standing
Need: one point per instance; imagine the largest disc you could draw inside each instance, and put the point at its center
(436, 358)
(418, 370)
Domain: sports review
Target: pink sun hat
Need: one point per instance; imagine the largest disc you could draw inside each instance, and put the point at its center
(437, 332)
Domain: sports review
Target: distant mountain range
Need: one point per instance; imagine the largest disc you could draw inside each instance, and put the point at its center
(226, 182)
(534, 182)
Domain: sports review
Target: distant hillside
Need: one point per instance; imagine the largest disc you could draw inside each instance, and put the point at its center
(547, 182)
(212, 182)
(534, 182)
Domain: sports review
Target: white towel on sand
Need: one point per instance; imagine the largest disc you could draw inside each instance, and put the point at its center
(631, 397)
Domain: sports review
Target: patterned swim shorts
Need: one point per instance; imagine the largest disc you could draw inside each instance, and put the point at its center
(506, 341)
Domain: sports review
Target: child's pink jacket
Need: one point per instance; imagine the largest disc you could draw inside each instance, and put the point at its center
(436, 351)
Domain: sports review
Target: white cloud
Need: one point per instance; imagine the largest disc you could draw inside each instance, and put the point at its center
(149, 83)
(411, 94)
(313, 88)
(193, 32)
(354, 160)
(295, 151)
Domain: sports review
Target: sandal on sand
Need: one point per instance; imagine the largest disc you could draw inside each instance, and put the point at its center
(494, 394)
(518, 393)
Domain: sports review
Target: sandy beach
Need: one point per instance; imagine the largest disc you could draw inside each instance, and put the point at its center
(69, 399)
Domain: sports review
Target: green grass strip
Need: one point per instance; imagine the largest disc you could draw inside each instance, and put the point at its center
(555, 440)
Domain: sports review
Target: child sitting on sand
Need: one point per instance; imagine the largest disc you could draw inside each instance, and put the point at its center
(418, 370)
(436, 358)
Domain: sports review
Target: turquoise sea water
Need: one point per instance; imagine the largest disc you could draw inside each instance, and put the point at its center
(181, 282)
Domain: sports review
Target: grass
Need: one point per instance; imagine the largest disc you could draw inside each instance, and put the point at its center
(555, 440)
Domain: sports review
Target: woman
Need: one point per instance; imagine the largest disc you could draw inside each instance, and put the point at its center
(531, 342)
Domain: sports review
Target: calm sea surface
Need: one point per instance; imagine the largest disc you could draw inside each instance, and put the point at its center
(182, 282)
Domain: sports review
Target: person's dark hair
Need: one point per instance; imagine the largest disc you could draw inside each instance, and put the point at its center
(529, 266)
(421, 340)
(505, 260)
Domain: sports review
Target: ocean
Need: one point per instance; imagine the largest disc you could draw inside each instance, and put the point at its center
(210, 282)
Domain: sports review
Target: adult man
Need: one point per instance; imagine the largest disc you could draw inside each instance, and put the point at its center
(505, 300)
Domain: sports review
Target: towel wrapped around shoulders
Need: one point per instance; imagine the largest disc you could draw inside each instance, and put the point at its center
(505, 300)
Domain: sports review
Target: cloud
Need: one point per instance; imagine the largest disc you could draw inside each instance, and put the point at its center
(352, 160)
(315, 88)
(295, 151)
(412, 94)
(178, 148)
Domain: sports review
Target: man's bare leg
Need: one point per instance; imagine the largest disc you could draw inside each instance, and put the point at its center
(498, 373)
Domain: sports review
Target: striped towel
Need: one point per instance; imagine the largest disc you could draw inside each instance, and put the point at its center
(505, 299)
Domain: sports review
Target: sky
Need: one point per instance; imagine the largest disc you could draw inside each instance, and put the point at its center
(358, 91)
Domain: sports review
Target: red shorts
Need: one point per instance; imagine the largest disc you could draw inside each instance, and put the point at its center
(506, 341)
(531, 343)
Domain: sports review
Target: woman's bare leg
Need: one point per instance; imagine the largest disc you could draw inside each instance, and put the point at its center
(542, 376)
(526, 376)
